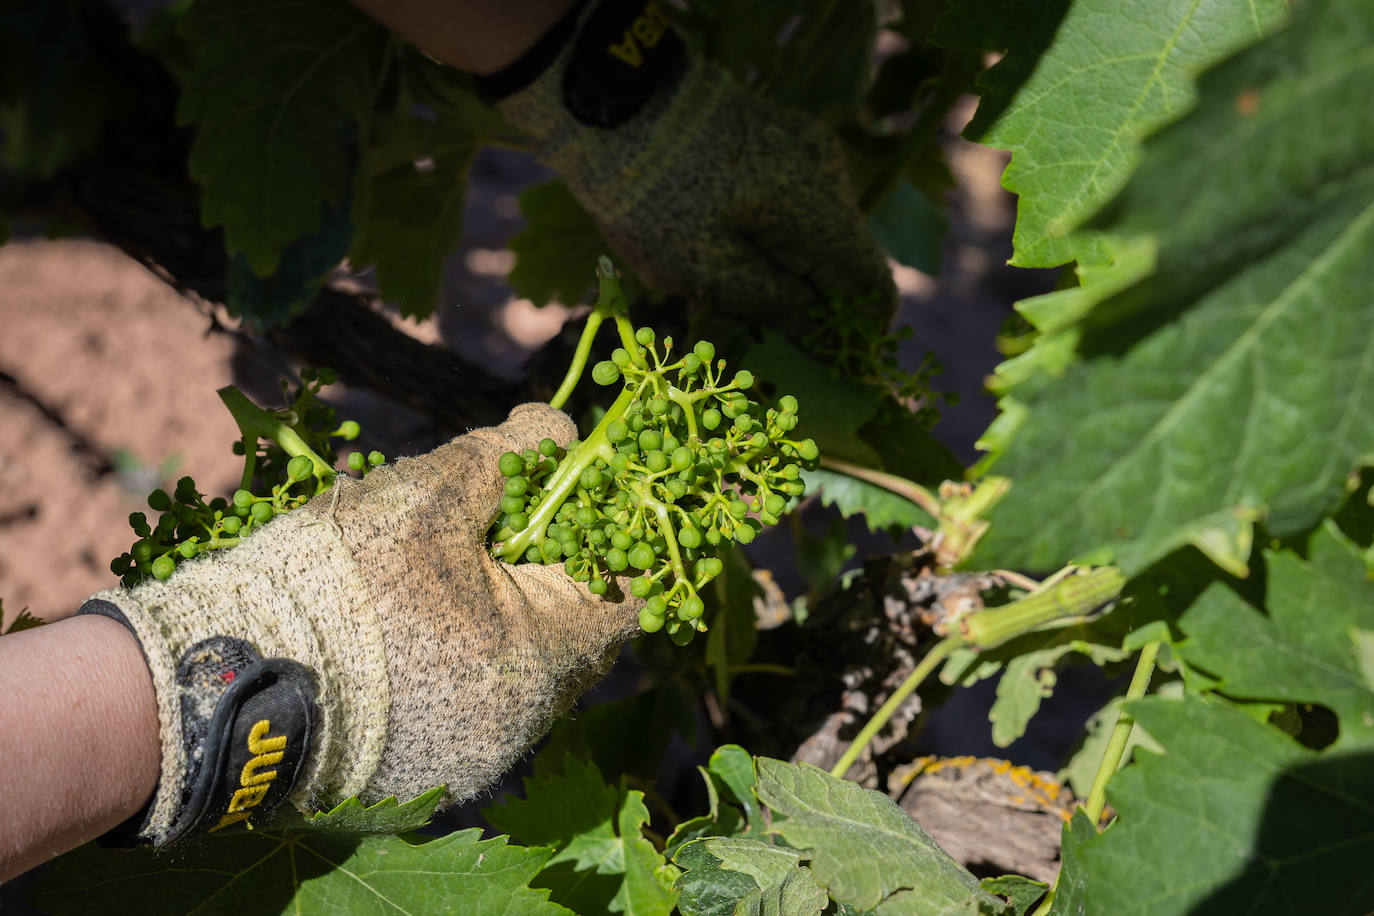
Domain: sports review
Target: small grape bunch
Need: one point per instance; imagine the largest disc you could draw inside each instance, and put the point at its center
(682, 466)
(288, 460)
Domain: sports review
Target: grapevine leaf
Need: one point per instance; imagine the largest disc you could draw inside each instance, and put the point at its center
(305, 265)
(881, 508)
(1257, 823)
(22, 621)
(552, 253)
(1113, 73)
(909, 228)
(1018, 890)
(274, 94)
(408, 204)
(864, 848)
(276, 872)
(781, 885)
(1179, 424)
(350, 816)
(629, 735)
(1068, 896)
(602, 863)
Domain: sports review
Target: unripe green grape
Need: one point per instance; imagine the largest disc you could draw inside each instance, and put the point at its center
(187, 549)
(746, 533)
(705, 351)
(555, 531)
(532, 555)
(658, 406)
(585, 516)
(162, 568)
(511, 504)
(682, 458)
(744, 378)
(605, 372)
(262, 513)
(640, 586)
(591, 478)
(794, 487)
(597, 586)
(376, 459)
(618, 464)
(645, 337)
(648, 622)
(656, 606)
(641, 556)
(231, 525)
(683, 635)
(597, 538)
(159, 501)
(808, 450)
(299, 468)
(768, 518)
(517, 486)
(791, 472)
(712, 536)
(691, 364)
(689, 537)
(518, 521)
(656, 461)
(616, 560)
(677, 487)
(616, 431)
(349, 430)
(548, 447)
(709, 567)
(787, 404)
(356, 462)
(774, 504)
(670, 442)
(739, 508)
(691, 608)
(142, 551)
(744, 423)
(650, 439)
(621, 540)
(710, 418)
(621, 357)
(551, 549)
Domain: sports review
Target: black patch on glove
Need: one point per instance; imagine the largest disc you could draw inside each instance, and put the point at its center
(247, 723)
(625, 52)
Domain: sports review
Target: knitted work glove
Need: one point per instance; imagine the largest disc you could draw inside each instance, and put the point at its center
(706, 189)
(365, 644)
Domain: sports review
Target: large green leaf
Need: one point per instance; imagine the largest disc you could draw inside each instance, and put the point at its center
(781, 884)
(271, 870)
(1200, 392)
(556, 253)
(864, 849)
(602, 862)
(1255, 822)
(275, 93)
(408, 201)
(1114, 72)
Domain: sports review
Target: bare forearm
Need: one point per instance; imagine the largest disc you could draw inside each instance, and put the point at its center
(479, 36)
(78, 722)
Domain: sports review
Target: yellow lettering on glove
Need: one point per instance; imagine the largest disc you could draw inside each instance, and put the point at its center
(645, 32)
(253, 785)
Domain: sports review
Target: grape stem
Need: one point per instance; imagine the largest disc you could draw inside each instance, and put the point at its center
(256, 423)
(610, 303)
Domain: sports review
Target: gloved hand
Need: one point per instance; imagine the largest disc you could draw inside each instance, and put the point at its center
(705, 188)
(365, 644)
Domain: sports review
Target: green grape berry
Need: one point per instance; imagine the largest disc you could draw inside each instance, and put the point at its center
(163, 568)
(376, 459)
(641, 556)
(349, 430)
(356, 462)
(605, 372)
(705, 351)
(645, 337)
(262, 512)
(547, 447)
(299, 468)
(648, 622)
(597, 586)
(243, 499)
(159, 501)
(510, 464)
(640, 586)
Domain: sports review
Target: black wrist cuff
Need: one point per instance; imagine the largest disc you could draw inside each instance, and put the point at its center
(624, 52)
(247, 727)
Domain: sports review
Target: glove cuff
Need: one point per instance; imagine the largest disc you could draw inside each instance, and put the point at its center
(229, 645)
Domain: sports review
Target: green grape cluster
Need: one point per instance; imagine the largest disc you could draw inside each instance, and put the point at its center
(682, 466)
(277, 479)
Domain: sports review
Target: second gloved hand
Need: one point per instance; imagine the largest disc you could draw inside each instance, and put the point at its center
(705, 188)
